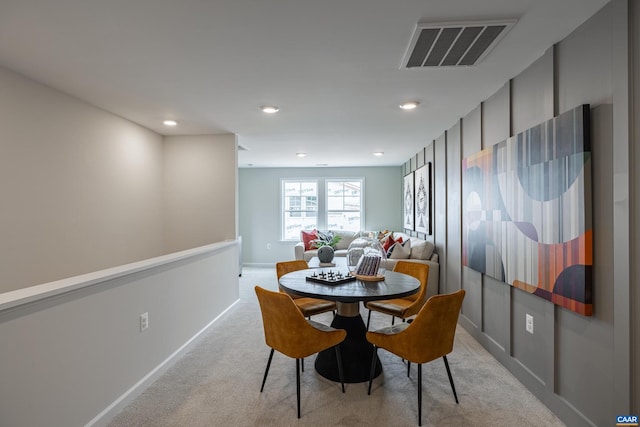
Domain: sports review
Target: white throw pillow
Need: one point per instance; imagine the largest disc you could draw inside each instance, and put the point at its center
(401, 250)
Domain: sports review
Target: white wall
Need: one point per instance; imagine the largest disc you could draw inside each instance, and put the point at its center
(259, 205)
(80, 189)
(79, 357)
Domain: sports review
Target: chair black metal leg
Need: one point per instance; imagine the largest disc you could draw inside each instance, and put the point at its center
(373, 367)
(339, 358)
(408, 369)
(368, 319)
(446, 364)
(302, 364)
(298, 384)
(393, 320)
(266, 371)
(419, 394)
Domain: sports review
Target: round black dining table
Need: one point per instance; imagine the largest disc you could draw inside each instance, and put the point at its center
(355, 350)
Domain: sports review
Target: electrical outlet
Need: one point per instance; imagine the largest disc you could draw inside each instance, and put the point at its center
(268, 246)
(144, 321)
(529, 323)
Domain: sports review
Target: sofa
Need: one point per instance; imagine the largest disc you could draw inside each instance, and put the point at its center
(413, 249)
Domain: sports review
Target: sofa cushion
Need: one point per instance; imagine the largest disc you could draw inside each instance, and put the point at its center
(346, 238)
(307, 237)
(421, 249)
(400, 250)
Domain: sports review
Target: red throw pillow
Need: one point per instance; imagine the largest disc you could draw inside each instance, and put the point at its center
(387, 243)
(307, 237)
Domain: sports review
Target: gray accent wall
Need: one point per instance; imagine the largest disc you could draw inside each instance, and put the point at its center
(259, 206)
(584, 368)
(634, 211)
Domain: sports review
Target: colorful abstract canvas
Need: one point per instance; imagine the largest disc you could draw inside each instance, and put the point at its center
(527, 211)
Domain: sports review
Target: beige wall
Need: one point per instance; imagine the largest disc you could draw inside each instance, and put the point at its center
(82, 189)
(200, 196)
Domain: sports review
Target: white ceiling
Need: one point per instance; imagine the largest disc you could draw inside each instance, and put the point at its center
(332, 66)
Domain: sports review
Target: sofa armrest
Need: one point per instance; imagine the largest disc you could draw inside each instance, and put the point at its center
(299, 250)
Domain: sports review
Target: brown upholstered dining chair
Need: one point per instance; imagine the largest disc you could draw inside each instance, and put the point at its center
(407, 306)
(308, 306)
(427, 338)
(286, 330)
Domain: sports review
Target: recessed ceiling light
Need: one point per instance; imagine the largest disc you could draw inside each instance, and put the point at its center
(170, 123)
(378, 153)
(301, 154)
(409, 105)
(270, 109)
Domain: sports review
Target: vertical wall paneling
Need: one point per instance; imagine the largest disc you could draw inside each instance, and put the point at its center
(496, 301)
(532, 103)
(532, 94)
(471, 280)
(429, 157)
(440, 202)
(635, 207)
(622, 149)
(451, 270)
(585, 369)
(420, 158)
(587, 68)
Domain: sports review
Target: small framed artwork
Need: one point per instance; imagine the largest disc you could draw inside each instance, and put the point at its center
(422, 216)
(408, 202)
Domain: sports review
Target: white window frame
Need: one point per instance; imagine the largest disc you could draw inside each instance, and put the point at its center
(327, 195)
(283, 210)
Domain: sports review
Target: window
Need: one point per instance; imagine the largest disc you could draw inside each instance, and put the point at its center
(299, 207)
(344, 204)
(308, 204)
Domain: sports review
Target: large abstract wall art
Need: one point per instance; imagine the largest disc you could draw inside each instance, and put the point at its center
(527, 211)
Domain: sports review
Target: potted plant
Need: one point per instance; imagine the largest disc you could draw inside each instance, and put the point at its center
(326, 243)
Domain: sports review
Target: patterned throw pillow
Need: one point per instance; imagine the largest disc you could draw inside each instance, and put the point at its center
(387, 242)
(307, 237)
(400, 250)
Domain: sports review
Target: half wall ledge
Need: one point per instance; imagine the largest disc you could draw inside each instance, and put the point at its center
(19, 297)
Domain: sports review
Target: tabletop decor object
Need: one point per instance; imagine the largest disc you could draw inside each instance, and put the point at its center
(330, 277)
(325, 254)
(325, 242)
(366, 259)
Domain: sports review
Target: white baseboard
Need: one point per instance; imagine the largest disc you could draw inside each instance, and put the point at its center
(259, 264)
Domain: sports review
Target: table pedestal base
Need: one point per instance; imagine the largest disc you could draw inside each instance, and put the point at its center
(355, 350)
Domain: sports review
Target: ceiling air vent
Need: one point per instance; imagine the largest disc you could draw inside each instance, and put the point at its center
(458, 44)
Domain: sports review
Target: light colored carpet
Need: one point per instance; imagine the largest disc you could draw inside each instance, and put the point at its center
(218, 384)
